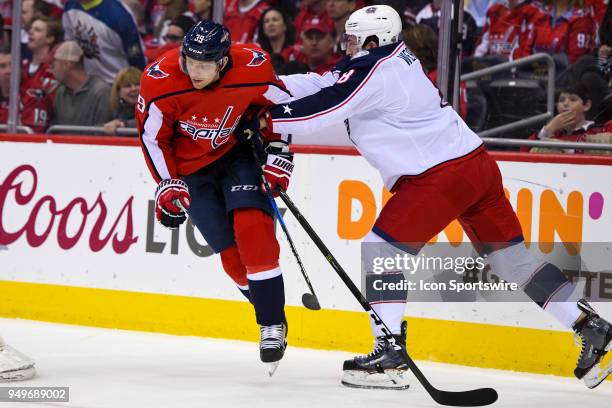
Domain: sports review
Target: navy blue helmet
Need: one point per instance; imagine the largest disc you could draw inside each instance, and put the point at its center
(206, 41)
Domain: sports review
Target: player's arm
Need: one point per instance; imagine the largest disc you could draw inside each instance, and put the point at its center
(155, 124)
(356, 91)
(302, 85)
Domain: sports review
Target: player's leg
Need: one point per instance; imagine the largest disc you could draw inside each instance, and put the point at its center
(258, 249)
(420, 208)
(494, 228)
(14, 365)
(209, 215)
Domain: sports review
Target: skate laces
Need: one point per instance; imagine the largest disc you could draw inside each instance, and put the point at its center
(272, 336)
(379, 345)
(581, 344)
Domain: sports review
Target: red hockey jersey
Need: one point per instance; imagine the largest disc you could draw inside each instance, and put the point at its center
(243, 25)
(37, 94)
(503, 27)
(573, 33)
(183, 129)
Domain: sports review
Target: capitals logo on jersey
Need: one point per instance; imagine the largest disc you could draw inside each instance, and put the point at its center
(258, 58)
(155, 72)
(216, 132)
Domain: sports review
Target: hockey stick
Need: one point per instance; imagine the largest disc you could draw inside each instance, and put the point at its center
(471, 398)
(309, 300)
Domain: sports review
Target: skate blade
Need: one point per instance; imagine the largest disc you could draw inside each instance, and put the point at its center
(598, 374)
(17, 375)
(272, 367)
(389, 380)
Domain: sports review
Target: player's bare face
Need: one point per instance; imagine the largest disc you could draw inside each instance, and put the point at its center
(202, 73)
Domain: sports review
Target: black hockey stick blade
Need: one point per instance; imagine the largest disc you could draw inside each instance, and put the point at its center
(470, 398)
(310, 301)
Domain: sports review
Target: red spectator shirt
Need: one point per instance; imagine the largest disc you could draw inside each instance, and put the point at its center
(243, 26)
(293, 53)
(503, 27)
(578, 135)
(573, 33)
(183, 129)
(328, 65)
(36, 98)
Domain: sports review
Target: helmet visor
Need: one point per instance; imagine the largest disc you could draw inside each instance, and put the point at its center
(201, 69)
(348, 41)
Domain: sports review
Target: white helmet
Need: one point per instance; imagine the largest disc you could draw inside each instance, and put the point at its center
(381, 21)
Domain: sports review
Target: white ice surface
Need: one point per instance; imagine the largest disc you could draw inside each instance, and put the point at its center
(121, 369)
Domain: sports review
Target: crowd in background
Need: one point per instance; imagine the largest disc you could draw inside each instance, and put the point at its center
(82, 59)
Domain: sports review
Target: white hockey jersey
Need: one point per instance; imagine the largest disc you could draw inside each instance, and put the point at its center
(392, 111)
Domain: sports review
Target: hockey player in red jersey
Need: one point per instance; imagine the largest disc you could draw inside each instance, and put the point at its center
(191, 101)
(439, 171)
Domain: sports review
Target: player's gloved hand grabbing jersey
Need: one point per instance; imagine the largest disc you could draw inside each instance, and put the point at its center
(172, 200)
(279, 166)
(253, 122)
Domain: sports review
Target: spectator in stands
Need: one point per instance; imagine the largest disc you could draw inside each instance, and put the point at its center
(504, 23)
(561, 27)
(177, 29)
(173, 38)
(81, 99)
(242, 18)
(570, 124)
(318, 41)
(430, 15)
(339, 11)
(107, 33)
(124, 96)
(276, 35)
(38, 84)
(173, 10)
(422, 40)
(5, 82)
(309, 10)
(202, 9)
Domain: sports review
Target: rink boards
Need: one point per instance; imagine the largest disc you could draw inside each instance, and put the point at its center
(78, 244)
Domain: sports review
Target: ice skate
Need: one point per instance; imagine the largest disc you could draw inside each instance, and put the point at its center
(383, 368)
(14, 366)
(595, 336)
(272, 345)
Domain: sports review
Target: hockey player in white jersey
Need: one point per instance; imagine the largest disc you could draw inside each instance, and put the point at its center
(439, 171)
(14, 365)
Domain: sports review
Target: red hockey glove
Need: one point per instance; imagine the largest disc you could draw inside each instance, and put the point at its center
(278, 167)
(172, 200)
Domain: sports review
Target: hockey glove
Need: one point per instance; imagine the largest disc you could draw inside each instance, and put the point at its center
(278, 167)
(172, 200)
(251, 123)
